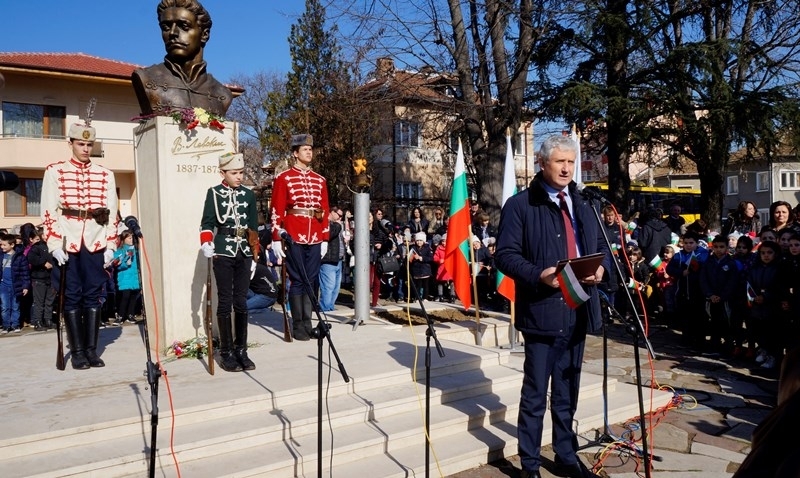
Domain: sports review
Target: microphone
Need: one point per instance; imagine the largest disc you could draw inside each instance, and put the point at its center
(133, 225)
(592, 193)
(285, 236)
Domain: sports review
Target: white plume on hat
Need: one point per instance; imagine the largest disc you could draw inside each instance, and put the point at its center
(84, 132)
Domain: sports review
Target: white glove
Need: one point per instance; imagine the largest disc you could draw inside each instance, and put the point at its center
(323, 248)
(208, 249)
(60, 256)
(277, 248)
(108, 256)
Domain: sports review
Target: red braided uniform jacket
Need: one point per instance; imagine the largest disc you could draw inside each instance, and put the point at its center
(80, 186)
(300, 189)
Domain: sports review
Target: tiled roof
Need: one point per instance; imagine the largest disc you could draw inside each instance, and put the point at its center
(77, 63)
(412, 86)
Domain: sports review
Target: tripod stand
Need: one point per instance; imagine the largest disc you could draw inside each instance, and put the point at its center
(605, 436)
(320, 332)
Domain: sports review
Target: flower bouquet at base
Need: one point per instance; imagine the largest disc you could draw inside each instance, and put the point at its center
(193, 348)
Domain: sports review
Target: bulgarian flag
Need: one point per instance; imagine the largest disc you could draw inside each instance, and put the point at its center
(751, 294)
(505, 285)
(456, 256)
(571, 288)
(694, 263)
(657, 263)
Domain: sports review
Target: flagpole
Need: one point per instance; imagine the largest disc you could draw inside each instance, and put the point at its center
(478, 334)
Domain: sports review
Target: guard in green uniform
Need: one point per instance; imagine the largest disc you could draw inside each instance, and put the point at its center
(230, 210)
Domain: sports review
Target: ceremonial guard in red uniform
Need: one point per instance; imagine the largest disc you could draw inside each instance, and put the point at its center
(79, 204)
(300, 208)
(230, 210)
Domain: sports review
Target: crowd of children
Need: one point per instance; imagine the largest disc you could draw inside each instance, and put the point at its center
(737, 295)
(28, 295)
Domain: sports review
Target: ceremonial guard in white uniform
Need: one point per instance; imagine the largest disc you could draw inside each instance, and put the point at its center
(300, 207)
(79, 207)
(230, 210)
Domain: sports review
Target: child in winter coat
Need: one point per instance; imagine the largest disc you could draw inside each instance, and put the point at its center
(127, 277)
(444, 279)
(15, 282)
(764, 304)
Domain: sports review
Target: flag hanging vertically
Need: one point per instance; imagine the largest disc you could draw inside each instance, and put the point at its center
(456, 257)
(505, 285)
(571, 288)
(578, 157)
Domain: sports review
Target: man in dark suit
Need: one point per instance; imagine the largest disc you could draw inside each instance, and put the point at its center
(548, 222)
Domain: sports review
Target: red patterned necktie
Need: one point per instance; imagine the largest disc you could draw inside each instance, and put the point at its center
(572, 248)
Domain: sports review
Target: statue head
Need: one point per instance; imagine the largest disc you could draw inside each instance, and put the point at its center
(185, 29)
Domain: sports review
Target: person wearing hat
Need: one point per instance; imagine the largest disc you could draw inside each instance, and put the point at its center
(420, 257)
(229, 220)
(300, 213)
(79, 207)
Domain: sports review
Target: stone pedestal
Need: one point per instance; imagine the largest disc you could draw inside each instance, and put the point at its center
(174, 169)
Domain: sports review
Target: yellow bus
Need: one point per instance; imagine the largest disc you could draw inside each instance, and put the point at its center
(643, 197)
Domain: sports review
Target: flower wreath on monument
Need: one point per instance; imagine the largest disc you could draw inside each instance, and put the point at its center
(189, 118)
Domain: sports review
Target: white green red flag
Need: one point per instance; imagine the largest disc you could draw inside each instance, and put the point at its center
(571, 288)
(456, 257)
(656, 263)
(751, 294)
(505, 285)
(576, 175)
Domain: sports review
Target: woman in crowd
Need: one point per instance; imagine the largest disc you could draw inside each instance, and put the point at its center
(744, 221)
(781, 216)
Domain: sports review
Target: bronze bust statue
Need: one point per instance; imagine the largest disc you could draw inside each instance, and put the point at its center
(181, 81)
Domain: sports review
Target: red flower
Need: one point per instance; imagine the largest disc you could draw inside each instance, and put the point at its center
(216, 124)
(192, 125)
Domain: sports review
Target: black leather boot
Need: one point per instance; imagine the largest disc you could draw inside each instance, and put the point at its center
(296, 307)
(308, 310)
(240, 341)
(77, 351)
(227, 360)
(91, 329)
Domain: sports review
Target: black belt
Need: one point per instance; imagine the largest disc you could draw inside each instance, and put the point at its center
(79, 213)
(233, 231)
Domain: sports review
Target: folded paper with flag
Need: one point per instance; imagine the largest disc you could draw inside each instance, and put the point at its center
(571, 288)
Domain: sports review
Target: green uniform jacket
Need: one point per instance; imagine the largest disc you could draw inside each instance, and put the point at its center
(227, 215)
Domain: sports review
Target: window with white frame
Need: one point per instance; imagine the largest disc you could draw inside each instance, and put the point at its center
(406, 133)
(762, 181)
(408, 190)
(733, 185)
(790, 179)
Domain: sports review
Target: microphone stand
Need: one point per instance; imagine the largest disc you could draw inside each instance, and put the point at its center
(430, 333)
(152, 371)
(320, 332)
(636, 330)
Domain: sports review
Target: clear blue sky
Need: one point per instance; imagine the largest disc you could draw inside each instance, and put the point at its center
(247, 36)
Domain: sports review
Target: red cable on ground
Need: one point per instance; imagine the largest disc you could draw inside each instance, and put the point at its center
(158, 360)
(646, 331)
